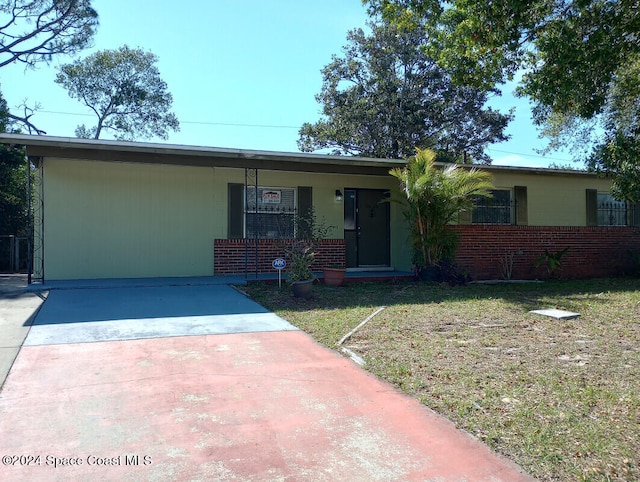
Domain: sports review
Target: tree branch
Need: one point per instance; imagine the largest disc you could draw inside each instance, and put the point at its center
(25, 121)
(73, 26)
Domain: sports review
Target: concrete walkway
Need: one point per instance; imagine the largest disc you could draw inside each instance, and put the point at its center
(18, 309)
(200, 383)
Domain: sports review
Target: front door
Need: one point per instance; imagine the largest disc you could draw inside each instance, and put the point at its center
(366, 228)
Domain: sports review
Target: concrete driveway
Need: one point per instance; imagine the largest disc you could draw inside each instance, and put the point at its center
(200, 383)
(88, 315)
(18, 309)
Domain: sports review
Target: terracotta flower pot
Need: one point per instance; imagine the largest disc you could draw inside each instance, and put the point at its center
(333, 276)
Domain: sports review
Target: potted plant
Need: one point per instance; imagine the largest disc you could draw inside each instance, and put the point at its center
(333, 275)
(302, 251)
(318, 230)
(301, 257)
(433, 198)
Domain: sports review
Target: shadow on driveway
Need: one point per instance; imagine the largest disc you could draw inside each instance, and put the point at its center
(89, 315)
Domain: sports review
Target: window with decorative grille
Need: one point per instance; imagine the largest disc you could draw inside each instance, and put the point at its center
(494, 210)
(270, 212)
(612, 212)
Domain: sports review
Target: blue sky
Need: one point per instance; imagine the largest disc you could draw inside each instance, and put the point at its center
(243, 73)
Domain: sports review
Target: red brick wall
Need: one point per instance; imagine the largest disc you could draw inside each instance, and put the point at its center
(229, 255)
(594, 251)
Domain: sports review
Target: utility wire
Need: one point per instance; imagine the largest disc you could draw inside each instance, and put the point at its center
(265, 126)
(184, 122)
(529, 155)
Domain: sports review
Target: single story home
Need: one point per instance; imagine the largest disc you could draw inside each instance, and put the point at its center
(110, 209)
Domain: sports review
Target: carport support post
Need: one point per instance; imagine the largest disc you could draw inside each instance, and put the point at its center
(251, 175)
(30, 221)
(256, 226)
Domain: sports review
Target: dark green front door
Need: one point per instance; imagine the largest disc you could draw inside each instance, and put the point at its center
(366, 228)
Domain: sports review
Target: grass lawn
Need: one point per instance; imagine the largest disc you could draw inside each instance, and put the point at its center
(559, 398)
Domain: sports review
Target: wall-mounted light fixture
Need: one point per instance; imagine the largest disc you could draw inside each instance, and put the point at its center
(338, 195)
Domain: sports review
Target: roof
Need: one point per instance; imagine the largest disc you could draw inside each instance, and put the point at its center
(155, 153)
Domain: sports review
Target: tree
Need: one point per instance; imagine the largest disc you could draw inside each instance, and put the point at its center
(386, 97)
(33, 31)
(574, 56)
(433, 198)
(570, 49)
(124, 89)
(612, 137)
(617, 149)
(13, 192)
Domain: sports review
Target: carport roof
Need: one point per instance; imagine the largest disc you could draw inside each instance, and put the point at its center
(155, 153)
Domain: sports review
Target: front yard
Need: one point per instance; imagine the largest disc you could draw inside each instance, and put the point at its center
(559, 398)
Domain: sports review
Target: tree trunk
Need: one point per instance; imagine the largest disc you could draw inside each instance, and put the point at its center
(425, 258)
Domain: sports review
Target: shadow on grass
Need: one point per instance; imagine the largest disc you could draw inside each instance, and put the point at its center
(523, 297)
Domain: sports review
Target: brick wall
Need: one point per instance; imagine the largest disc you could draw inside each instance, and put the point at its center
(594, 251)
(229, 255)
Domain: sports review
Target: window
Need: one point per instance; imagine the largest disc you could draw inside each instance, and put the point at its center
(611, 212)
(270, 212)
(271, 217)
(494, 210)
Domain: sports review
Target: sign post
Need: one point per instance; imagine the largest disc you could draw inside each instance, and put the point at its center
(279, 264)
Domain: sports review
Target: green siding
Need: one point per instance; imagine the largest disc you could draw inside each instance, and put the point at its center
(123, 220)
(111, 219)
(116, 219)
(552, 199)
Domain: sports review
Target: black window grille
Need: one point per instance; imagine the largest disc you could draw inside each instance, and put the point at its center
(495, 210)
(612, 212)
(270, 214)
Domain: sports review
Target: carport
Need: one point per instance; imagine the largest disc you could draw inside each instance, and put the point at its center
(110, 209)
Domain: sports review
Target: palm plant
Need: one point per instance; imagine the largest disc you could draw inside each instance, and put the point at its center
(433, 199)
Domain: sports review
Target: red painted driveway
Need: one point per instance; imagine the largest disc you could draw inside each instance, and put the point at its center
(250, 406)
